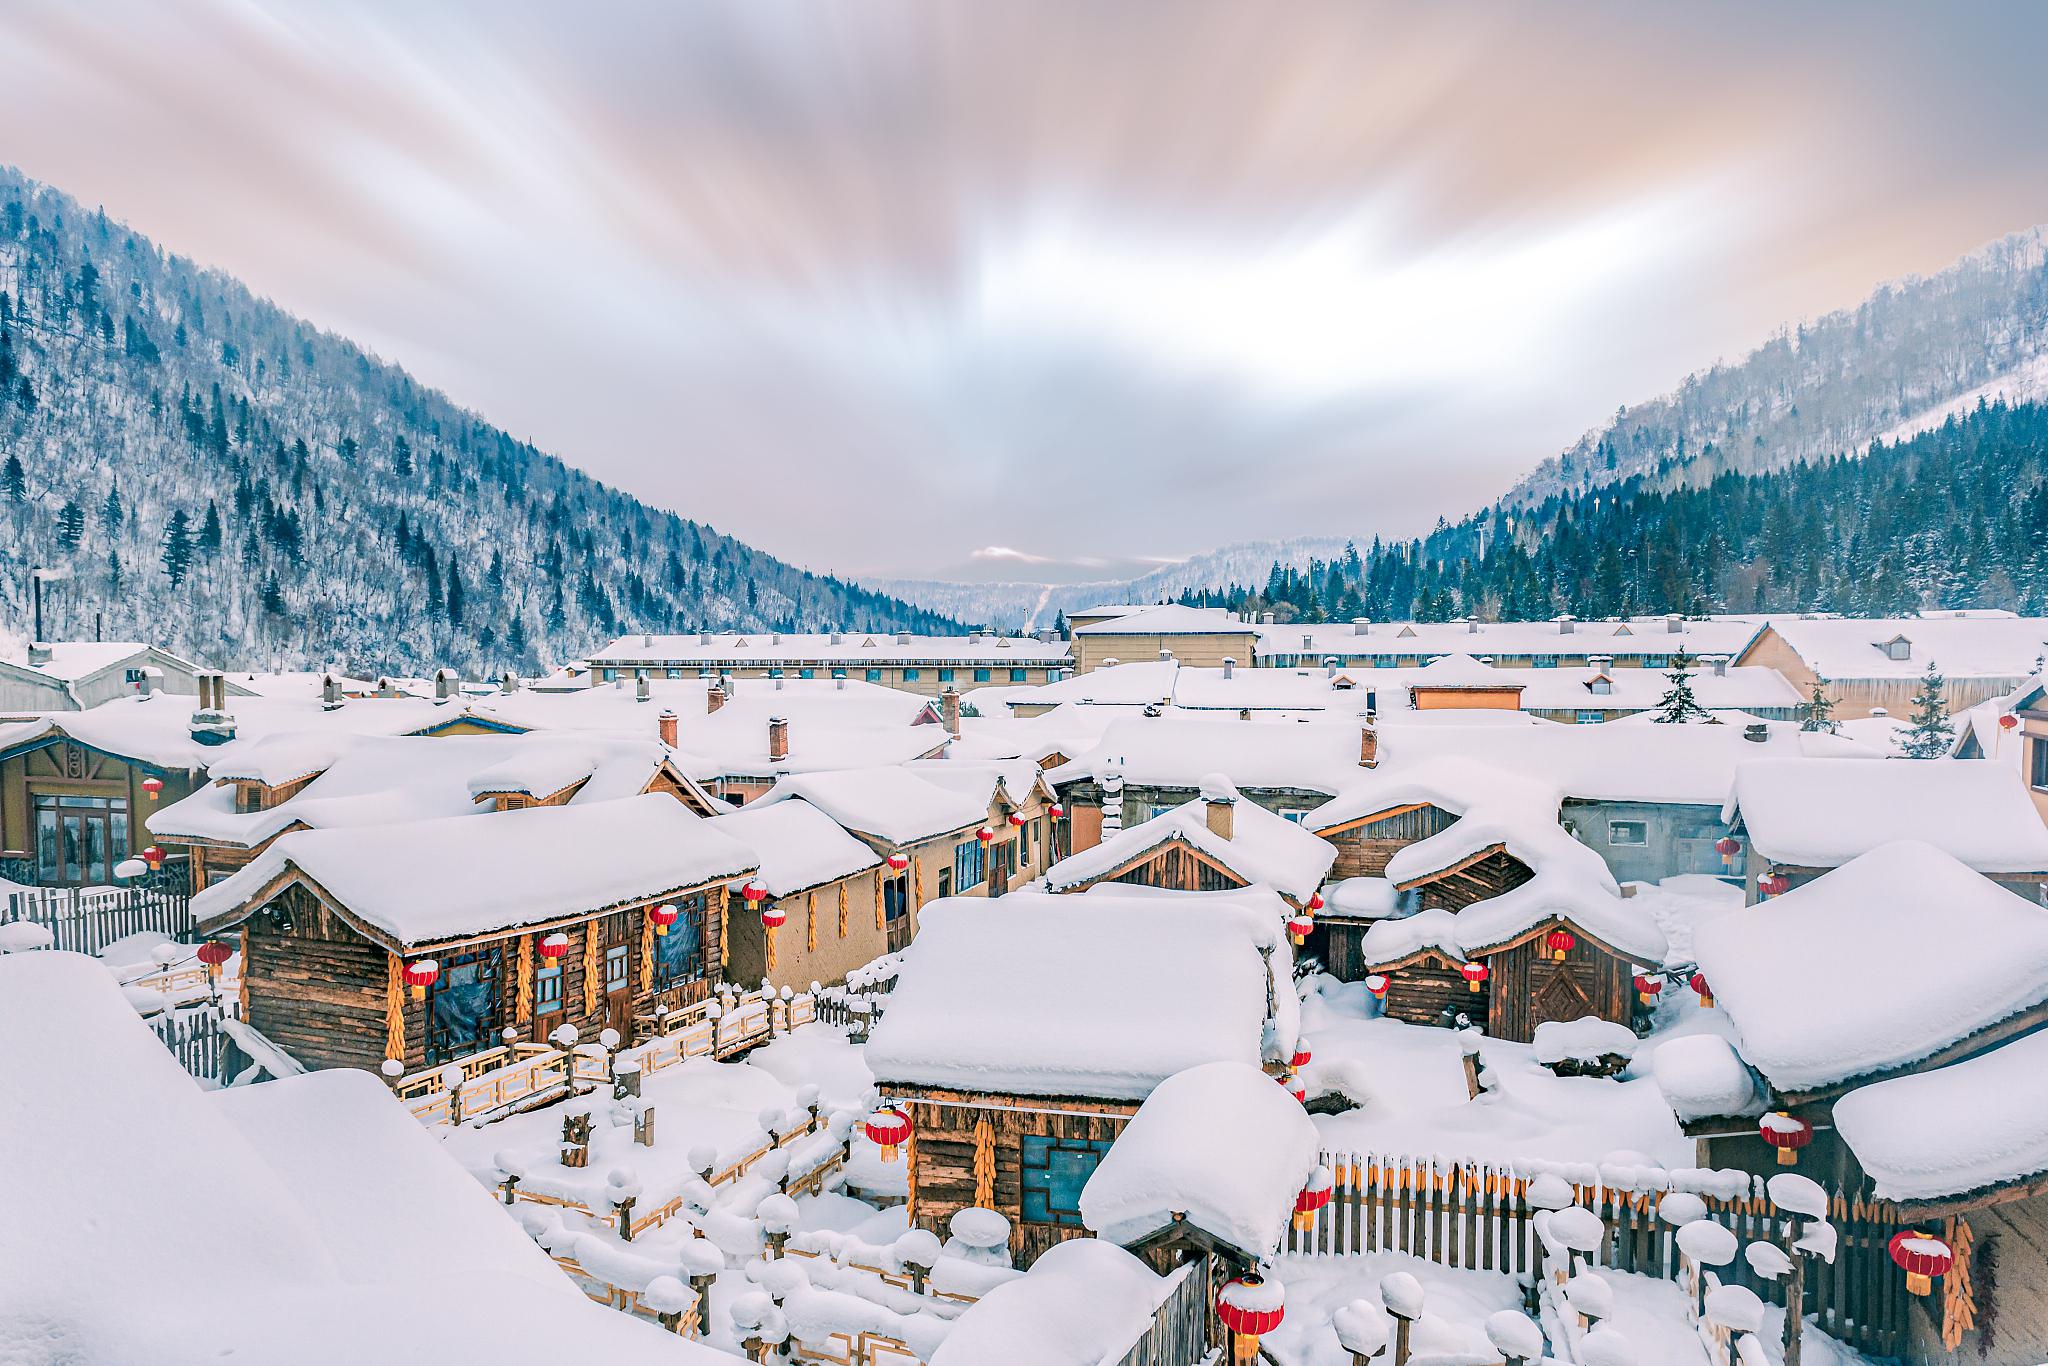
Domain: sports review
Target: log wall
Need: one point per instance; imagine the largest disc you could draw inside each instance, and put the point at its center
(1528, 988)
(1363, 851)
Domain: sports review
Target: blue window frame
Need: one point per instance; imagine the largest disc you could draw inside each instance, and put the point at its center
(1656, 661)
(608, 674)
(547, 991)
(1054, 1171)
(462, 1006)
(874, 675)
(679, 954)
(1016, 675)
(981, 675)
(910, 675)
(1543, 662)
(806, 673)
(1591, 718)
(970, 867)
(945, 675)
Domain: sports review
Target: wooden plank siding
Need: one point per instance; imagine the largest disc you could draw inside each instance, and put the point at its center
(1489, 873)
(1176, 867)
(1421, 988)
(1527, 988)
(1363, 847)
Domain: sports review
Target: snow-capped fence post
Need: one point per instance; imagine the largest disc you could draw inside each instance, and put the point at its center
(1469, 1041)
(576, 1140)
(451, 1082)
(622, 1190)
(625, 1077)
(1515, 1337)
(1401, 1293)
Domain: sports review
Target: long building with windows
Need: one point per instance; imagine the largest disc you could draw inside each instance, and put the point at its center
(920, 664)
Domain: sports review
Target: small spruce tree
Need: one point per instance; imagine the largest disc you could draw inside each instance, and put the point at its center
(1931, 732)
(1818, 713)
(1678, 705)
(178, 547)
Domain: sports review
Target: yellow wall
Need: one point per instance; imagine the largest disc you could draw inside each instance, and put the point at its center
(1201, 651)
(1467, 699)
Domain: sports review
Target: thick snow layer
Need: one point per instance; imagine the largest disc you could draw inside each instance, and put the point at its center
(330, 1220)
(1972, 646)
(1585, 1040)
(1456, 1306)
(1179, 751)
(1801, 975)
(1569, 893)
(1622, 638)
(1361, 898)
(1822, 813)
(1103, 994)
(1981, 1122)
(1222, 1145)
(1083, 1303)
(798, 845)
(1262, 848)
(890, 803)
(157, 730)
(1170, 620)
(1702, 1076)
(851, 647)
(435, 880)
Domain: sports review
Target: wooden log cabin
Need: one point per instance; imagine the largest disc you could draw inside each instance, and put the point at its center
(1014, 1096)
(331, 921)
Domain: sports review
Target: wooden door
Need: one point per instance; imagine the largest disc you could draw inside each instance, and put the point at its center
(896, 910)
(616, 963)
(1560, 998)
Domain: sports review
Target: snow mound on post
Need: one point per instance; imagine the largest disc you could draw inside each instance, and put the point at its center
(1587, 1039)
(1800, 974)
(1221, 1145)
(1082, 1303)
(1700, 1076)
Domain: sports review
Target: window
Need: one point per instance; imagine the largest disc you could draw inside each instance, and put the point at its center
(1901, 648)
(462, 1006)
(1016, 675)
(79, 839)
(1627, 832)
(969, 865)
(874, 675)
(1294, 815)
(679, 954)
(615, 968)
(945, 675)
(2039, 748)
(1601, 687)
(1543, 662)
(1054, 1171)
(981, 675)
(910, 675)
(1656, 661)
(609, 674)
(1591, 718)
(547, 991)
(806, 673)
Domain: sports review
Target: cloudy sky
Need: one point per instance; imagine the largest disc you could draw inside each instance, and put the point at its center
(1017, 289)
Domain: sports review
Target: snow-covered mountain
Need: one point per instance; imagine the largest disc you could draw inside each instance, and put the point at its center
(207, 472)
(1899, 363)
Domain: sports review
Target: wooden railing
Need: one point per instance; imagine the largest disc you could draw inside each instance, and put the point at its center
(196, 1039)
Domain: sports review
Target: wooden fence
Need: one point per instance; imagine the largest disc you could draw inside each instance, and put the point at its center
(197, 1040)
(1179, 1325)
(87, 919)
(1477, 1216)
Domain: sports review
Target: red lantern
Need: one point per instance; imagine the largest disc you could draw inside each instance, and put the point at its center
(1773, 884)
(1298, 928)
(2007, 722)
(554, 946)
(1301, 1056)
(154, 857)
(1786, 1134)
(1314, 1196)
(1699, 984)
(1560, 942)
(420, 974)
(1058, 811)
(1728, 847)
(888, 1129)
(153, 786)
(1922, 1256)
(773, 917)
(1647, 988)
(754, 892)
(1475, 975)
(1377, 985)
(898, 862)
(663, 917)
(1248, 1307)
(1016, 818)
(1315, 901)
(1295, 1088)
(984, 834)
(213, 953)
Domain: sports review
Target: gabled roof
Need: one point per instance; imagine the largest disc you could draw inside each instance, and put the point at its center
(1965, 646)
(798, 846)
(1263, 849)
(1172, 620)
(889, 803)
(1821, 813)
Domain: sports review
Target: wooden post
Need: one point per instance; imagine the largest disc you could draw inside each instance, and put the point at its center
(1471, 1076)
(625, 1078)
(702, 1285)
(511, 1188)
(576, 1140)
(1795, 1291)
(1401, 1327)
(625, 1212)
(643, 1127)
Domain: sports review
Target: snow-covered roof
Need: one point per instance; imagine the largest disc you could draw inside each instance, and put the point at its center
(1563, 890)
(330, 1219)
(1222, 1146)
(1262, 849)
(798, 846)
(1082, 1303)
(157, 730)
(851, 648)
(1820, 813)
(889, 802)
(305, 684)
(1703, 1077)
(1974, 645)
(1103, 994)
(1015, 780)
(425, 882)
(71, 661)
(1178, 751)
(1882, 962)
(1981, 1122)
(1634, 637)
(1170, 620)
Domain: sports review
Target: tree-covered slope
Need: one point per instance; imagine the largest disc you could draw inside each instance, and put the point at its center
(214, 475)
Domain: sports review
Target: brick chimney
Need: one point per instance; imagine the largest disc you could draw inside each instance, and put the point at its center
(714, 696)
(1369, 746)
(665, 725)
(778, 739)
(949, 711)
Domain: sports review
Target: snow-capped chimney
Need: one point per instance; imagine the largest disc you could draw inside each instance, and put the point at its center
(1329, 666)
(1566, 624)
(949, 711)
(647, 640)
(778, 739)
(1674, 624)
(330, 692)
(903, 637)
(703, 637)
(1368, 746)
(1229, 666)
(1219, 806)
(1361, 626)
(1471, 626)
(211, 724)
(1308, 640)
(1756, 732)
(665, 726)
(445, 685)
(1166, 656)
(39, 654)
(152, 680)
(1601, 663)
(1265, 618)
(1720, 663)
(714, 696)
(838, 636)
(642, 690)
(509, 684)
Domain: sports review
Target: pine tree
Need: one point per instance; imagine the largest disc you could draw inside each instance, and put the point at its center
(1818, 713)
(401, 458)
(1931, 732)
(210, 531)
(113, 573)
(1678, 705)
(111, 513)
(455, 593)
(70, 525)
(273, 596)
(14, 480)
(178, 547)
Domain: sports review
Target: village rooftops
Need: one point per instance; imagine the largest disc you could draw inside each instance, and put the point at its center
(1884, 962)
(1260, 849)
(430, 882)
(1218, 1147)
(889, 803)
(798, 846)
(1962, 644)
(1633, 639)
(851, 648)
(157, 730)
(1821, 813)
(1105, 994)
(331, 1218)
(1179, 751)
(1967, 1128)
(1573, 889)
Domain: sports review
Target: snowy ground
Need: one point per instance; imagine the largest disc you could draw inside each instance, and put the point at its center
(1452, 1328)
